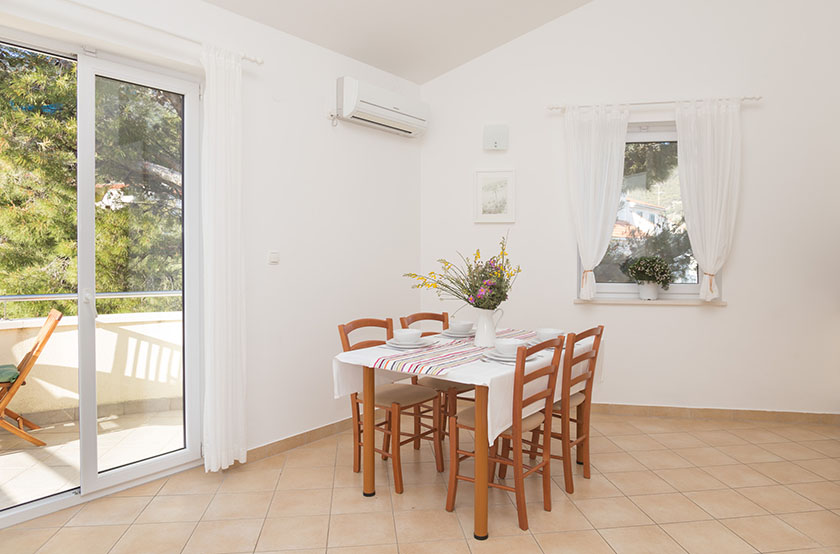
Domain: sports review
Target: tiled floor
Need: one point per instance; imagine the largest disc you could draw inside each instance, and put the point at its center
(29, 472)
(659, 485)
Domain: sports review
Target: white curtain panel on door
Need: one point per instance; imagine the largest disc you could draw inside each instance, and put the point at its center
(709, 152)
(595, 139)
(223, 279)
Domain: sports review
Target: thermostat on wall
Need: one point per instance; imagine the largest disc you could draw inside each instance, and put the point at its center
(495, 137)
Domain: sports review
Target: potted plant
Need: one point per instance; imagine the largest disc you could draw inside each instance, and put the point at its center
(651, 272)
(482, 284)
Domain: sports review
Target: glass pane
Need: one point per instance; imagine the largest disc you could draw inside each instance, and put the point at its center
(139, 271)
(650, 219)
(37, 258)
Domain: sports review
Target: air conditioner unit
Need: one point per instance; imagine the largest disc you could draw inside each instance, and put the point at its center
(379, 108)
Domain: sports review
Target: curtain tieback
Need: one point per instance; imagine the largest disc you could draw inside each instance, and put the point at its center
(583, 275)
(711, 280)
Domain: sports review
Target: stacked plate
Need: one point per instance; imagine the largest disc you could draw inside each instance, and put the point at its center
(455, 335)
(421, 343)
(496, 356)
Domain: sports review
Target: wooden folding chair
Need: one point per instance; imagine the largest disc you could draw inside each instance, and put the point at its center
(9, 388)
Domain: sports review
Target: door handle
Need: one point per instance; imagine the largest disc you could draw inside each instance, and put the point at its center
(89, 299)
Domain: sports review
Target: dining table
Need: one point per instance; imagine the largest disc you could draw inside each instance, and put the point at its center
(455, 359)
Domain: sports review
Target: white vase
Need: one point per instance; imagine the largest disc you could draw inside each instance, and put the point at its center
(648, 291)
(485, 327)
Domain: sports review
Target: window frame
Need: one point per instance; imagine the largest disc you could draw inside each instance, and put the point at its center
(658, 131)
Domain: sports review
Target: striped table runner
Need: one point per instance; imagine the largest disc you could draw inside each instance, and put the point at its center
(440, 358)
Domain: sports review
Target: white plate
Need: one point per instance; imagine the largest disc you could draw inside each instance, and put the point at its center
(423, 342)
(496, 357)
(454, 335)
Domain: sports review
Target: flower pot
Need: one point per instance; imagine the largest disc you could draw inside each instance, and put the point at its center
(648, 291)
(485, 327)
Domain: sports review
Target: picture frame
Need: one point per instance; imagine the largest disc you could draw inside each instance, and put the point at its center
(495, 196)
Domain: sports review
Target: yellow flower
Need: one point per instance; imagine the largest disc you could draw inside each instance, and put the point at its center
(477, 254)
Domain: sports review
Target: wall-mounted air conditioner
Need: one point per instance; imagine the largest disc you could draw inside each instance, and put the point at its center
(379, 108)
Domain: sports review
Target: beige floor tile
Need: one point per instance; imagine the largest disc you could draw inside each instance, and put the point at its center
(424, 473)
(272, 462)
(238, 505)
(300, 532)
(193, 481)
(422, 525)
(185, 507)
(778, 499)
(749, 454)
(466, 496)
(616, 461)
(792, 451)
(524, 544)
(564, 516)
(83, 540)
(824, 493)
(216, 537)
(351, 500)
(612, 512)
(738, 475)
(639, 482)
(598, 445)
(597, 486)
(641, 540)
(669, 508)
(615, 429)
(725, 503)
(55, 519)
(661, 459)
(718, 438)
(768, 533)
(573, 542)
(419, 497)
(758, 436)
(346, 477)
(24, 541)
(110, 511)
(786, 472)
(707, 537)
(160, 538)
(678, 440)
(829, 447)
(251, 481)
(827, 468)
(147, 489)
(659, 425)
(706, 456)
(377, 549)
(690, 479)
(311, 457)
(822, 526)
(797, 433)
(306, 478)
(361, 529)
(502, 521)
(436, 547)
(307, 502)
(631, 443)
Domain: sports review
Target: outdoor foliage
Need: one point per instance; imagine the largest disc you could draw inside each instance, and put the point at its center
(138, 187)
(483, 284)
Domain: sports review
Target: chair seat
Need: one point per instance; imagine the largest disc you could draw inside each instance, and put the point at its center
(442, 385)
(574, 400)
(467, 417)
(404, 395)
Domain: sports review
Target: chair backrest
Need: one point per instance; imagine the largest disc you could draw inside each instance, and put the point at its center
(570, 361)
(443, 317)
(540, 392)
(346, 328)
(28, 361)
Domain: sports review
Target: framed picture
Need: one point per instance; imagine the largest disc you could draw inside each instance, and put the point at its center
(495, 197)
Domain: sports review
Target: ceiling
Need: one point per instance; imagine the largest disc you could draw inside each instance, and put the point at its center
(417, 40)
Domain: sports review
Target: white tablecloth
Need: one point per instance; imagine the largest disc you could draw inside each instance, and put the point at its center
(498, 377)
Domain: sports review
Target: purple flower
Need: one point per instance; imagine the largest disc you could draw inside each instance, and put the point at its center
(482, 292)
(471, 299)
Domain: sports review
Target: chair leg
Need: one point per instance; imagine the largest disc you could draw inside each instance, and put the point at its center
(565, 443)
(535, 436)
(546, 470)
(494, 453)
(386, 438)
(579, 431)
(519, 484)
(357, 433)
(395, 448)
(416, 427)
(20, 419)
(583, 448)
(505, 454)
(453, 464)
(20, 433)
(437, 439)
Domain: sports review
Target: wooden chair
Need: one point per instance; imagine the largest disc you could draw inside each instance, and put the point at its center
(580, 400)
(448, 390)
(513, 445)
(9, 388)
(395, 399)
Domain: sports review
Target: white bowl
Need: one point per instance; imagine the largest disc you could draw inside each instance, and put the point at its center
(407, 336)
(460, 326)
(548, 334)
(507, 347)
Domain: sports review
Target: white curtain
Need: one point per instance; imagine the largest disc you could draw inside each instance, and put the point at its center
(709, 139)
(595, 139)
(223, 282)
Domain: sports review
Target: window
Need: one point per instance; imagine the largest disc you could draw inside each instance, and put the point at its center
(650, 219)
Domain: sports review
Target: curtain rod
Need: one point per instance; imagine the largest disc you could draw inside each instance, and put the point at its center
(253, 59)
(562, 108)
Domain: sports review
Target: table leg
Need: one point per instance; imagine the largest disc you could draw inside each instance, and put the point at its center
(368, 433)
(481, 464)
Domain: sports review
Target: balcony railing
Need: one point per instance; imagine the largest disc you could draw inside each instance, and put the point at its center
(74, 296)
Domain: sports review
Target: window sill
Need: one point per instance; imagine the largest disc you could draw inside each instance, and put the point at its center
(659, 302)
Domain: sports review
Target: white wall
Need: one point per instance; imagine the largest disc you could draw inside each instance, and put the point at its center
(340, 203)
(775, 346)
